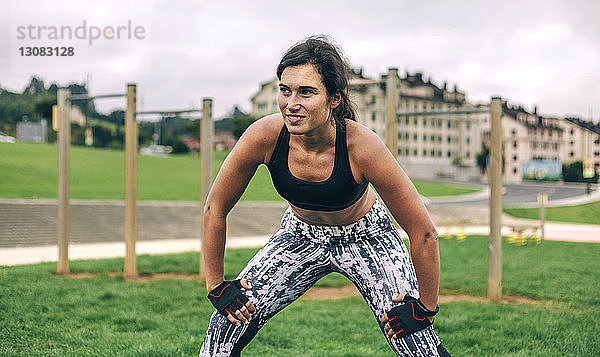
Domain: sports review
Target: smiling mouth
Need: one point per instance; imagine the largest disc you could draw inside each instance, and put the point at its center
(294, 119)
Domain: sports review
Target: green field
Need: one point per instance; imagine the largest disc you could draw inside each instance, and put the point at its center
(588, 213)
(30, 171)
(45, 314)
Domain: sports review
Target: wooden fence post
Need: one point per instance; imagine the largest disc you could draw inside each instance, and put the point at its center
(64, 143)
(495, 180)
(131, 148)
(206, 162)
(391, 110)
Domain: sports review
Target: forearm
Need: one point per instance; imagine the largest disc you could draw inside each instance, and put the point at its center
(426, 260)
(213, 247)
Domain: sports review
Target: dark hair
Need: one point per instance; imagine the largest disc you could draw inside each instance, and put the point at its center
(326, 57)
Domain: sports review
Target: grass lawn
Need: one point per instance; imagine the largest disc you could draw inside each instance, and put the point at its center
(588, 213)
(30, 171)
(45, 314)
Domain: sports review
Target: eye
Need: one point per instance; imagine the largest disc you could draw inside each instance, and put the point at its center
(306, 92)
(284, 90)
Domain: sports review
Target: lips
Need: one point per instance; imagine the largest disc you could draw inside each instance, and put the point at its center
(295, 119)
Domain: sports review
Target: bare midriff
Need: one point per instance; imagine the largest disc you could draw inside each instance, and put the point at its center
(342, 217)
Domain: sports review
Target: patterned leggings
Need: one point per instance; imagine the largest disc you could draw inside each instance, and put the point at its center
(370, 253)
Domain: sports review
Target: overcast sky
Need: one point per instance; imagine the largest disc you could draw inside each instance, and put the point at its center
(544, 53)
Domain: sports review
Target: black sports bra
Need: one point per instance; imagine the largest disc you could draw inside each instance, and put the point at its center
(339, 191)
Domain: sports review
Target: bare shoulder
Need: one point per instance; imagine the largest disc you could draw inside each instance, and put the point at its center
(260, 137)
(362, 142)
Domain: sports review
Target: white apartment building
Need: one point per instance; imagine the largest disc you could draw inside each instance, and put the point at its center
(525, 137)
(581, 141)
(264, 102)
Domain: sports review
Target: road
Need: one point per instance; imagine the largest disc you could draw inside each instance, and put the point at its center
(524, 194)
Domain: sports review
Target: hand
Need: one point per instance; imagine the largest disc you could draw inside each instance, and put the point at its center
(407, 318)
(400, 297)
(230, 301)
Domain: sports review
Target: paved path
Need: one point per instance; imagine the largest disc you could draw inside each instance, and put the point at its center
(48, 253)
(259, 220)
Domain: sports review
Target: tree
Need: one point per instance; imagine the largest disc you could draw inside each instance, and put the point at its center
(573, 172)
(241, 121)
(482, 158)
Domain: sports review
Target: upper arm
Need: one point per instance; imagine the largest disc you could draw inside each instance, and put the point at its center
(378, 166)
(240, 165)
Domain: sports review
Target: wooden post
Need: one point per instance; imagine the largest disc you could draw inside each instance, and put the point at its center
(495, 179)
(206, 162)
(391, 110)
(542, 200)
(131, 148)
(64, 143)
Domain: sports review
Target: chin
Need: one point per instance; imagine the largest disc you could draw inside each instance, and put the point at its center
(295, 129)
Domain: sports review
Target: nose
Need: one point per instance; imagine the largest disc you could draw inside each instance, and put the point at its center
(293, 104)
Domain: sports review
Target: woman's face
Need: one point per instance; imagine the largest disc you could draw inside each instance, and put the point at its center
(303, 99)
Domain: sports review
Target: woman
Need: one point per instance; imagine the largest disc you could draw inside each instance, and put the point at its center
(322, 161)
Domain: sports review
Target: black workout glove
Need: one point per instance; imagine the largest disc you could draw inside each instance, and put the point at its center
(409, 317)
(228, 297)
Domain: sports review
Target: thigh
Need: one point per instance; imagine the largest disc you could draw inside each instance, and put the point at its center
(284, 269)
(380, 267)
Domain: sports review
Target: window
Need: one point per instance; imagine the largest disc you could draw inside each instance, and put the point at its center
(468, 125)
(424, 137)
(373, 100)
(571, 142)
(439, 123)
(415, 152)
(513, 132)
(468, 154)
(406, 151)
(449, 140)
(433, 138)
(399, 136)
(571, 154)
(449, 124)
(448, 154)
(399, 152)
(415, 137)
(468, 140)
(415, 122)
(515, 170)
(424, 152)
(597, 141)
(571, 131)
(432, 153)
(515, 158)
(515, 144)
(406, 136)
(373, 116)
(596, 153)
(439, 153)
(407, 121)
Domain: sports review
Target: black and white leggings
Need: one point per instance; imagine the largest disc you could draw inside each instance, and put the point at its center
(370, 253)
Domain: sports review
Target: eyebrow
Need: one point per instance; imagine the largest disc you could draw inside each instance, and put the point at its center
(301, 87)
